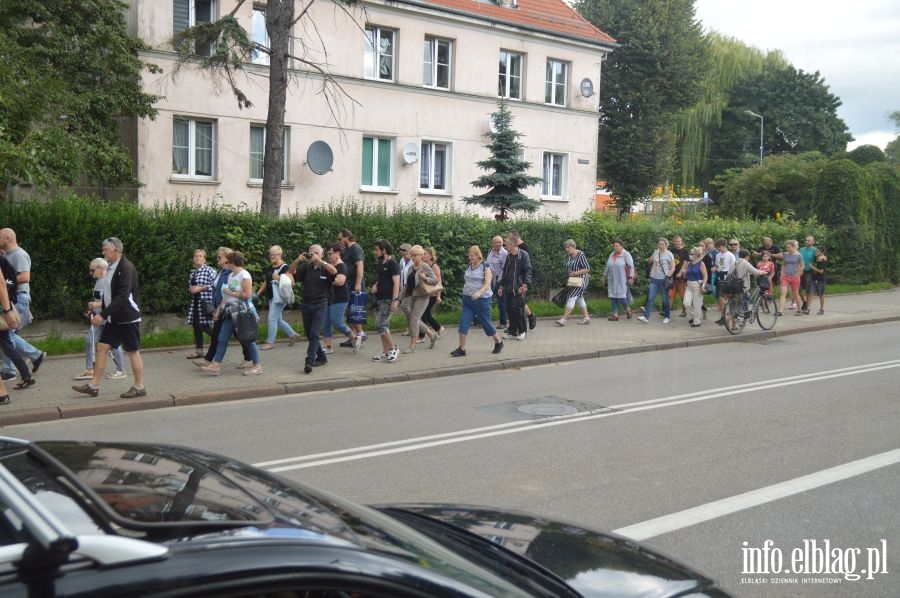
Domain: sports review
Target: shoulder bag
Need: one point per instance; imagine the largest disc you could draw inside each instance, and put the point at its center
(574, 281)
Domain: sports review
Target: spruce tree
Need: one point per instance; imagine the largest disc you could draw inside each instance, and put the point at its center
(506, 170)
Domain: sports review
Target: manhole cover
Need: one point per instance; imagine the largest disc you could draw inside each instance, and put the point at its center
(547, 409)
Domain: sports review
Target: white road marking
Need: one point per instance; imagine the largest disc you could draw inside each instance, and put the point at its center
(424, 442)
(754, 498)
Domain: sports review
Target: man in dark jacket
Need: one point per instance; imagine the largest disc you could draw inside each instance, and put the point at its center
(123, 320)
(516, 278)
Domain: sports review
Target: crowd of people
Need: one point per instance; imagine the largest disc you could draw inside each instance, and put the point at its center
(332, 283)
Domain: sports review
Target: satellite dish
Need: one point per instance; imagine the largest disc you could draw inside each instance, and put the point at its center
(319, 157)
(410, 153)
(492, 123)
(587, 87)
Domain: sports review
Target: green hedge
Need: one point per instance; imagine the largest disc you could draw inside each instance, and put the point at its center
(63, 235)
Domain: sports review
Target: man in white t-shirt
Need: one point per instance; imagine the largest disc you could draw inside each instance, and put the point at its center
(724, 264)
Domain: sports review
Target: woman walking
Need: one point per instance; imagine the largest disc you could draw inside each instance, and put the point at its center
(239, 289)
(696, 275)
(576, 267)
(218, 286)
(99, 266)
(416, 300)
(791, 272)
(476, 302)
(663, 265)
(200, 285)
(272, 274)
(619, 273)
(430, 258)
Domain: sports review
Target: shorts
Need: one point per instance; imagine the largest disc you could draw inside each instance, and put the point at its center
(816, 287)
(128, 336)
(383, 316)
(790, 281)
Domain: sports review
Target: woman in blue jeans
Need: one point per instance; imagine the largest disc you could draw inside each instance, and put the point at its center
(269, 288)
(663, 265)
(476, 301)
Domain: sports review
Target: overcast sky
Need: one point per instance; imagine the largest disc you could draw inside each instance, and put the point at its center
(855, 46)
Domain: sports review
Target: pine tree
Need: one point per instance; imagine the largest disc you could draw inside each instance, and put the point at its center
(506, 170)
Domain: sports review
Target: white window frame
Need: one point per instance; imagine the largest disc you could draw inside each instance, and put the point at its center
(556, 91)
(549, 189)
(372, 55)
(192, 15)
(428, 152)
(192, 149)
(432, 67)
(286, 159)
(507, 77)
(376, 149)
(256, 56)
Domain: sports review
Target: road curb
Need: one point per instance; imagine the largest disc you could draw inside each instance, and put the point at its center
(70, 411)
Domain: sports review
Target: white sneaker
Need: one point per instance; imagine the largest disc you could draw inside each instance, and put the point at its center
(642, 319)
(117, 375)
(507, 335)
(357, 344)
(382, 357)
(521, 337)
(560, 322)
(585, 322)
(328, 350)
(665, 320)
(393, 354)
(365, 337)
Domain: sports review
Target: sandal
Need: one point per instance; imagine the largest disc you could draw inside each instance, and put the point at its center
(4, 400)
(628, 314)
(195, 355)
(779, 314)
(613, 318)
(821, 312)
(25, 384)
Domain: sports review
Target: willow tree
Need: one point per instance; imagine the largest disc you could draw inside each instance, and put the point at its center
(646, 81)
(729, 61)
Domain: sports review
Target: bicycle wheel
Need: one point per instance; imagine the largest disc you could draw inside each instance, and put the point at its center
(734, 316)
(766, 312)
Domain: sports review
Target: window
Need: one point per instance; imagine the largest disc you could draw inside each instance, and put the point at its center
(434, 160)
(437, 63)
(258, 150)
(260, 35)
(187, 13)
(193, 147)
(379, 59)
(555, 92)
(511, 75)
(376, 162)
(554, 175)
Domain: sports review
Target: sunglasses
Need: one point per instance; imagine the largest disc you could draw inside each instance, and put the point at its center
(735, 244)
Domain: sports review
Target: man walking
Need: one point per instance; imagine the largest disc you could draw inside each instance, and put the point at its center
(123, 320)
(513, 286)
(314, 277)
(355, 258)
(808, 251)
(21, 263)
(387, 295)
(496, 259)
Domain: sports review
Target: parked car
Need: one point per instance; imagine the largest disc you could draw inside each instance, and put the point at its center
(127, 519)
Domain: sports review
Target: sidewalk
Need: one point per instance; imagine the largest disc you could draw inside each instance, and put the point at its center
(172, 380)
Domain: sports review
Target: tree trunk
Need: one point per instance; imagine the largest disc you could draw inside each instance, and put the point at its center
(279, 17)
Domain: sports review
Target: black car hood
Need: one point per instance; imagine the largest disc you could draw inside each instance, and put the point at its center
(593, 563)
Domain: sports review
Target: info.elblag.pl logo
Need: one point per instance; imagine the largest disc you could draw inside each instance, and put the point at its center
(813, 558)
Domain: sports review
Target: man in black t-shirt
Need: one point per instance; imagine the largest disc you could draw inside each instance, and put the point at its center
(354, 256)
(387, 295)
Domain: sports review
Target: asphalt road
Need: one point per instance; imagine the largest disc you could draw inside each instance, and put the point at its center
(695, 451)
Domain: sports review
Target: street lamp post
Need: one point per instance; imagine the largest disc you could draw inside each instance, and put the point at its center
(761, 129)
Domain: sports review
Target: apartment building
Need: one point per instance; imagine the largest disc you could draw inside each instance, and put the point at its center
(419, 80)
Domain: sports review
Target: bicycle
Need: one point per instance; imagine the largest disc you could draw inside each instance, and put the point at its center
(743, 308)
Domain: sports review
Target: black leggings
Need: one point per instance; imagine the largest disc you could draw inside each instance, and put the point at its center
(199, 329)
(10, 351)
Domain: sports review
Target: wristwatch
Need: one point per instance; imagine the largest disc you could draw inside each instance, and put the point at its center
(395, 298)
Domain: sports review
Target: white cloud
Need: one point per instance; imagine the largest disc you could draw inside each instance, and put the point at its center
(854, 46)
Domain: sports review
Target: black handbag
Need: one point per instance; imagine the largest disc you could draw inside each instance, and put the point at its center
(560, 298)
(208, 307)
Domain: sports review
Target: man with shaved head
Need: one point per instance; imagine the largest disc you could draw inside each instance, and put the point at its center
(21, 263)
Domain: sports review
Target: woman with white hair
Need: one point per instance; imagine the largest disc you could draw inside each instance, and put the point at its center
(99, 266)
(577, 266)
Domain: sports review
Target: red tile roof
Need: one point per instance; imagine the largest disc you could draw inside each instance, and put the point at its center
(551, 16)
